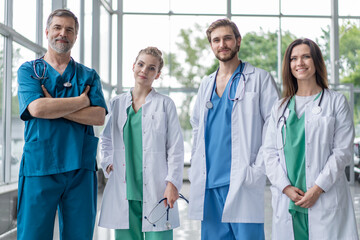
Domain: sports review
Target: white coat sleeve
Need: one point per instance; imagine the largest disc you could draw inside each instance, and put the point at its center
(342, 146)
(194, 121)
(268, 97)
(106, 145)
(174, 147)
(274, 170)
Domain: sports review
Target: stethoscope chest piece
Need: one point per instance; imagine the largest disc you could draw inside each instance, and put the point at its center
(209, 105)
(168, 225)
(316, 110)
(67, 84)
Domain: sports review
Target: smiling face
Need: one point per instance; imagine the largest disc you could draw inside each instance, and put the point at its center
(301, 63)
(146, 70)
(224, 44)
(61, 34)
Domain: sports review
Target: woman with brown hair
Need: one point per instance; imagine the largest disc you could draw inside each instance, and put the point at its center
(307, 146)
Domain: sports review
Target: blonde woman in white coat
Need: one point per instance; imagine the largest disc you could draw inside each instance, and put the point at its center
(307, 146)
(142, 154)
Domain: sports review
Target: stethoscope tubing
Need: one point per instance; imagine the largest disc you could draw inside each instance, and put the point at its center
(43, 77)
(210, 105)
(283, 118)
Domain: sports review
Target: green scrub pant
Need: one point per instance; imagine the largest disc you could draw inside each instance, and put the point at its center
(300, 226)
(135, 230)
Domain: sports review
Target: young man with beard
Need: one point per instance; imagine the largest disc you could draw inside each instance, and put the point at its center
(229, 123)
(60, 101)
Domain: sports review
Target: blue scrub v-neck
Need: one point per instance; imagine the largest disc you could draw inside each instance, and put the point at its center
(218, 135)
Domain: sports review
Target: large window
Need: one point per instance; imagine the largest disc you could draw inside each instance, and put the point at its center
(23, 22)
(20, 55)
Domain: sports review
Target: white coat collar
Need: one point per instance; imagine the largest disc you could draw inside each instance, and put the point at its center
(148, 98)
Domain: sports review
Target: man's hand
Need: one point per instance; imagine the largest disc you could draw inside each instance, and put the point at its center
(85, 96)
(171, 194)
(46, 93)
(310, 197)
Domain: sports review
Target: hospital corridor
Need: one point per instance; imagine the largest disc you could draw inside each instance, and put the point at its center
(109, 107)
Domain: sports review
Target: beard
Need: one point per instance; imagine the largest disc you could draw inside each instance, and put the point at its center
(233, 53)
(61, 47)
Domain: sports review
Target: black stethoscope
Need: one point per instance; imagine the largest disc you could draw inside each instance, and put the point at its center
(210, 105)
(315, 110)
(43, 77)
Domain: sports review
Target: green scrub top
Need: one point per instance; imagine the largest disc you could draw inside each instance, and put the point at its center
(133, 155)
(294, 151)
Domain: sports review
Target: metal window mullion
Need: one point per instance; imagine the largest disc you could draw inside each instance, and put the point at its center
(120, 15)
(56, 4)
(228, 9)
(279, 55)
(82, 31)
(7, 110)
(110, 46)
(95, 46)
(39, 24)
(334, 42)
(7, 93)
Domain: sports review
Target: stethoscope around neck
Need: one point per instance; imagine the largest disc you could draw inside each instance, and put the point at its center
(43, 77)
(315, 110)
(210, 105)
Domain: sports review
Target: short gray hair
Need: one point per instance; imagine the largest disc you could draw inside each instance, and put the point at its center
(62, 13)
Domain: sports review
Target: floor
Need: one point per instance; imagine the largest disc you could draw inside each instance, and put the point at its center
(190, 230)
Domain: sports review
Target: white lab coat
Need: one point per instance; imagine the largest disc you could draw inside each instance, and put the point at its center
(329, 142)
(245, 199)
(163, 159)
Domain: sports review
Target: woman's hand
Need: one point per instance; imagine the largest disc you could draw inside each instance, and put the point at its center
(109, 168)
(310, 197)
(294, 193)
(171, 194)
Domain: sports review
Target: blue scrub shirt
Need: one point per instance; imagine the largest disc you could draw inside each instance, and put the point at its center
(55, 146)
(218, 134)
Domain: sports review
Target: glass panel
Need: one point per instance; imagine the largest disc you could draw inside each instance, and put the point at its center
(349, 8)
(25, 26)
(190, 53)
(161, 6)
(1, 108)
(252, 7)
(306, 7)
(114, 50)
(74, 6)
(88, 33)
(46, 12)
(313, 28)
(114, 4)
(357, 119)
(140, 32)
(2, 11)
(198, 6)
(21, 54)
(104, 43)
(259, 42)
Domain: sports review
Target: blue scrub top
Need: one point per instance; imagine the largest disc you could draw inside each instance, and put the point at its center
(57, 145)
(218, 134)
